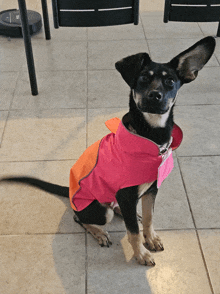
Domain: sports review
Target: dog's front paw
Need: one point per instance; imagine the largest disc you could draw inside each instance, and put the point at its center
(144, 257)
(99, 234)
(103, 238)
(152, 240)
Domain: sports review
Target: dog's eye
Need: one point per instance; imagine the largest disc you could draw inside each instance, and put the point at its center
(169, 82)
(143, 79)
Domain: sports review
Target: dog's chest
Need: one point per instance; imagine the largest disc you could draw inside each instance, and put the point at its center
(142, 189)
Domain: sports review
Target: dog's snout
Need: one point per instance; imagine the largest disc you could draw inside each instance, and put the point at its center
(156, 95)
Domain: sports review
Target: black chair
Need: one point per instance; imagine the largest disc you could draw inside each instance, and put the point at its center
(193, 11)
(92, 13)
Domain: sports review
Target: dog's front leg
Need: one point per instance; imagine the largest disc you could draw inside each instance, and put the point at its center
(127, 199)
(152, 240)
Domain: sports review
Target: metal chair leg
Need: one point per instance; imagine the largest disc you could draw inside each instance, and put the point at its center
(136, 12)
(28, 46)
(55, 14)
(46, 19)
(218, 32)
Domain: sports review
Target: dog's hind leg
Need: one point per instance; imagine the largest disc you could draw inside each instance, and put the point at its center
(152, 240)
(92, 217)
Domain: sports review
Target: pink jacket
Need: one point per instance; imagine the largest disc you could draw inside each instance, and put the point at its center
(121, 159)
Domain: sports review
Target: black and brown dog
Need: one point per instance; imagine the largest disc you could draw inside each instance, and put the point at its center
(154, 88)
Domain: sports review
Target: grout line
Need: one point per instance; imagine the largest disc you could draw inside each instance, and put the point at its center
(201, 29)
(195, 156)
(9, 109)
(101, 107)
(111, 232)
(204, 261)
(216, 57)
(145, 36)
(115, 40)
(39, 234)
(191, 105)
(40, 160)
(196, 230)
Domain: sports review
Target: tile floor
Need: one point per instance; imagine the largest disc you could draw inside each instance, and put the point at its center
(42, 250)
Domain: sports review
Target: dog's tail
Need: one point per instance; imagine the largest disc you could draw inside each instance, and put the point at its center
(45, 186)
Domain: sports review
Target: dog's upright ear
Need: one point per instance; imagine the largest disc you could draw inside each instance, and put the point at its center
(131, 66)
(189, 62)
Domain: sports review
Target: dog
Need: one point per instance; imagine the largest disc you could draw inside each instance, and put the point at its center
(148, 125)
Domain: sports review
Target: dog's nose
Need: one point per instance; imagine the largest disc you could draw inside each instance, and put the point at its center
(156, 95)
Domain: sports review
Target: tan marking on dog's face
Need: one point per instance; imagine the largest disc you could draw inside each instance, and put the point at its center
(164, 73)
(151, 73)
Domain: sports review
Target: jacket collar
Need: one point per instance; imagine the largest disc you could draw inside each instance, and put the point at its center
(136, 144)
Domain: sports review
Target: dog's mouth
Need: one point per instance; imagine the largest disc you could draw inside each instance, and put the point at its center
(147, 109)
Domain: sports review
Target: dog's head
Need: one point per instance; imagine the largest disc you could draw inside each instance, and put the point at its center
(155, 85)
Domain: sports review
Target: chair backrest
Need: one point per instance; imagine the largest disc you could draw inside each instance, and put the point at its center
(90, 13)
(192, 10)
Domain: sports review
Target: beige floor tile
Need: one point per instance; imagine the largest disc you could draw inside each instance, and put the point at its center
(179, 269)
(28, 210)
(63, 34)
(200, 134)
(151, 5)
(209, 28)
(107, 89)
(217, 50)
(57, 55)
(12, 55)
(104, 54)
(155, 28)
(201, 177)
(123, 32)
(97, 118)
(52, 264)
(171, 206)
(204, 90)
(210, 240)
(3, 118)
(110, 272)
(57, 89)
(8, 82)
(163, 50)
(13, 4)
(4, 39)
(69, 34)
(44, 135)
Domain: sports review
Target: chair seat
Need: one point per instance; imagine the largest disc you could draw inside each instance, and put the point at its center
(192, 11)
(90, 13)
